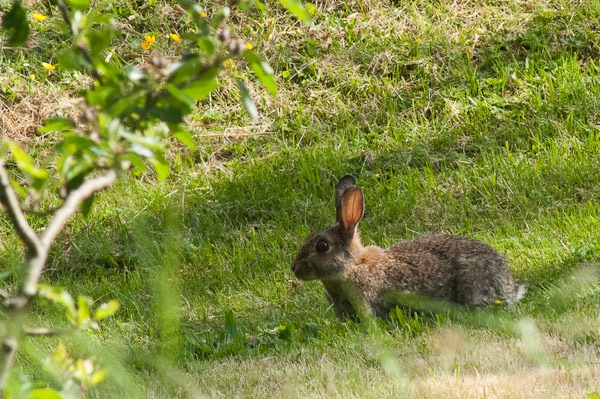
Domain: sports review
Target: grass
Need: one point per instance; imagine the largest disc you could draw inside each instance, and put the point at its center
(477, 119)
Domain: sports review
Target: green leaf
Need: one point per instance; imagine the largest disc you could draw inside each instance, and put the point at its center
(162, 168)
(296, 8)
(57, 124)
(71, 58)
(200, 89)
(76, 181)
(59, 296)
(44, 393)
(98, 377)
(247, 100)
(142, 150)
(16, 22)
(107, 309)
(26, 165)
(86, 205)
(83, 311)
(100, 40)
(79, 4)
(169, 114)
(263, 71)
(137, 162)
(74, 144)
(593, 395)
(180, 96)
(184, 70)
(207, 44)
(220, 16)
(185, 138)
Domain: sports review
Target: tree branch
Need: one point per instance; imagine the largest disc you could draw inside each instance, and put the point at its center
(9, 199)
(36, 264)
(42, 332)
(72, 202)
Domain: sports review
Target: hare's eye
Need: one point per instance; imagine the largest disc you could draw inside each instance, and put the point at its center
(322, 246)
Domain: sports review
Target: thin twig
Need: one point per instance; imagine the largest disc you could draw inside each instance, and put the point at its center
(13, 209)
(35, 264)
(42, 332)
(72, 202)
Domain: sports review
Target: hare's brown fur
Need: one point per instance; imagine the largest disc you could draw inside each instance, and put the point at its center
(359, 279)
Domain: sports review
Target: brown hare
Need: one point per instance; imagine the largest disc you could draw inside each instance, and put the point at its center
(358, 280)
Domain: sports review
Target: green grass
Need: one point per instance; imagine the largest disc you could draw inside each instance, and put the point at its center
(478, 119)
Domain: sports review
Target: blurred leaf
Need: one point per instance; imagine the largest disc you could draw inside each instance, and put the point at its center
(107, 309)
(79, 4)
(186, 138)
(59, 296)
(71, 58)
(16, 21)
(162, 168)
(142, 150)
(76, 181)
(207, 44)
(137, 162)
(75, 170)
(44, 393)
(98, 377)
(99, 40)
(263, 71)
(311, 8)
(56, 124)
(86, 205)
(124, 105)
(74, 144)
(167, 113)
(247, 100)
(182, 71)
(181, 97)
(296, 8)
(83, 311)
(26, 165)
(593, 395)
(220, 16)
(200, 89)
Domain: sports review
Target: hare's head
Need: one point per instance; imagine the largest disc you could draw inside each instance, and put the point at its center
(327, 254)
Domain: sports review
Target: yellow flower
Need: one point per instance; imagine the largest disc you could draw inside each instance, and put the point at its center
(32, 76)
(228, 63)
(48, 67)
(149, 40)
(175, 37)
(417, 40)
(202, 14)
(249, 46)
(498, 302)
(39, 17)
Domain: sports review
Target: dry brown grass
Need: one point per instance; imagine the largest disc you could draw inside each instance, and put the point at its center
(528, 383)
(30, 105)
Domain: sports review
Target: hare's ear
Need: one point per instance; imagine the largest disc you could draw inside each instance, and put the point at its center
(341, 187)
(351, 210)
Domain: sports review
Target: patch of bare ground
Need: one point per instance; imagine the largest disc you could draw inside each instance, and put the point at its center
(28, 106)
